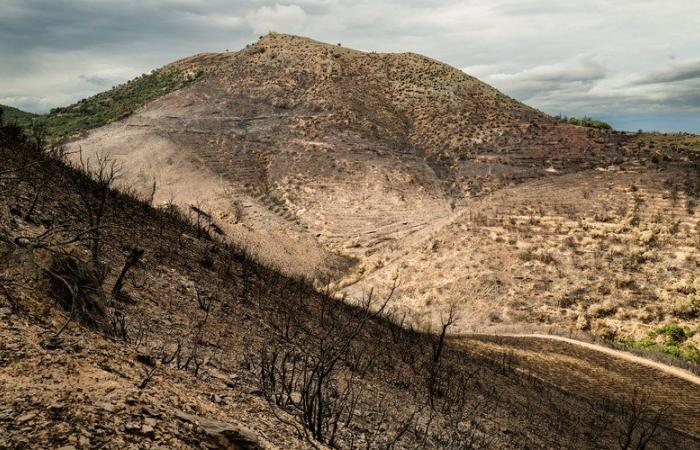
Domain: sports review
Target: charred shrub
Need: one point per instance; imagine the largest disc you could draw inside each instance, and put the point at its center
(77, 289)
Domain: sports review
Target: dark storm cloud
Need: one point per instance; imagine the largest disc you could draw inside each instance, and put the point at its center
(677, 71)
(82, 24)
(572, 57)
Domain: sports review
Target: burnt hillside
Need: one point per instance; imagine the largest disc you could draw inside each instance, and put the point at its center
(125, 325)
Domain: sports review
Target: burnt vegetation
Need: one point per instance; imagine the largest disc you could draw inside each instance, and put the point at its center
(342, 375)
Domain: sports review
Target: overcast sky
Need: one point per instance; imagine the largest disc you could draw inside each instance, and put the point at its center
(633, 62)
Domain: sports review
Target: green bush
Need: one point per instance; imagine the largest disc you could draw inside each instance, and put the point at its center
(585, 122)
(674, 333)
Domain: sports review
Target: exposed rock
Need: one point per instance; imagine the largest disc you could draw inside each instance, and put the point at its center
(26, 417)
(223, 435)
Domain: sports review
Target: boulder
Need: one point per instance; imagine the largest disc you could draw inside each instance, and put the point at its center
(222, 435)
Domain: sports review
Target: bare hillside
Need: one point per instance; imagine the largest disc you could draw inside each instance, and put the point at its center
(305, 149)
(123, 325)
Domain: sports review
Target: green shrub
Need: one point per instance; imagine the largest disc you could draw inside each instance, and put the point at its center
(674, 333)
(585, 121)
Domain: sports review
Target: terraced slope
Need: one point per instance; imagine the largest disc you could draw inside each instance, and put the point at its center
(613, 251)
(315, 155)
(360, 167)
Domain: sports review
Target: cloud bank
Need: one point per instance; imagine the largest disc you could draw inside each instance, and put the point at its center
(621, 59)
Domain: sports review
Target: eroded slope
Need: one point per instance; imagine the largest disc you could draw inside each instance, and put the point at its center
(306, 151)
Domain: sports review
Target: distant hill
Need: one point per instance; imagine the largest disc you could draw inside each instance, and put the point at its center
(117, 103)
(105, 107)
(14, 115)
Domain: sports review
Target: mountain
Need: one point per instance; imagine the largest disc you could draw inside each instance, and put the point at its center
(339, 152)
(353, 168)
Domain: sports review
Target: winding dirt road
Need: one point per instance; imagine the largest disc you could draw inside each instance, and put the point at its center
(671, 370)
(594, 371)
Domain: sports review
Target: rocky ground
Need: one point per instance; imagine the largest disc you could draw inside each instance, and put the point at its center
(177, 356)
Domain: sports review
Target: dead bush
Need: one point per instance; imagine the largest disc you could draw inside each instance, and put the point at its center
(78, 290)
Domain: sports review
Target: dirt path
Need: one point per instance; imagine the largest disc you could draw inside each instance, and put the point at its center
(675, 371)
(593, 371)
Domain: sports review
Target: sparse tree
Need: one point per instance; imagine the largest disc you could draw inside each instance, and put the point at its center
(93, 185)
(641, 422)
(447, 320)
(314, 371)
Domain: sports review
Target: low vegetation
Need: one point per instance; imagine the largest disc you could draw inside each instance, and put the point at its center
(585, 121)
(10, 115)
(114, 104)
(672, 339)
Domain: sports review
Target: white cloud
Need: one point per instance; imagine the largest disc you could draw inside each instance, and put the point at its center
(569, 57)
(583, 69)
(289, 18)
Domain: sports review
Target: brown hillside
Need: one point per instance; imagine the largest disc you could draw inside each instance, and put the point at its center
(330, 162)
(128, 326)
(296, 141)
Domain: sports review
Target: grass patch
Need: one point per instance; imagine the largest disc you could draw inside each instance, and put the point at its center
(671, 339)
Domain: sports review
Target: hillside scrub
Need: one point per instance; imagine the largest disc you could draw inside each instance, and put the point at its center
(585, 121)
(116, 103)
(672, 339)
(189, 312)
(10, 116)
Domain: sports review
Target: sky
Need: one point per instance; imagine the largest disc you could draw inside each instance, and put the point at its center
(635, 63)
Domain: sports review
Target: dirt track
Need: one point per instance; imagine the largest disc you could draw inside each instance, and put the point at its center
(675, 371)
(595, 372)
